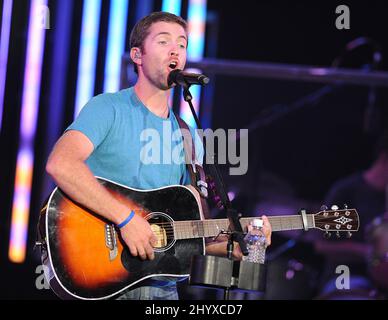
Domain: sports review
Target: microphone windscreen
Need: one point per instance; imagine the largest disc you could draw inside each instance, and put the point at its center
(172, 77)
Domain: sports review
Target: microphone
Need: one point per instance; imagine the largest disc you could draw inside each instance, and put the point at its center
(183, 78)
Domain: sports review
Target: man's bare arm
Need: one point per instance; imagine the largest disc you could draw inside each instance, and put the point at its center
(67, 167)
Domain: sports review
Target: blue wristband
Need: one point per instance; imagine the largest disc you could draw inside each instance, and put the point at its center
(129, 218)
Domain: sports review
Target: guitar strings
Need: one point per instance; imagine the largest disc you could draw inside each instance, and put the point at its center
(169, 231)
(272, 219)
(170, 228)
(188, 224)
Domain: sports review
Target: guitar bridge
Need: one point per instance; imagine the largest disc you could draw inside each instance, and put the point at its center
(111, 241)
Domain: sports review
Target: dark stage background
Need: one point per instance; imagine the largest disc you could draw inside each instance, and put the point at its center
(293, 160)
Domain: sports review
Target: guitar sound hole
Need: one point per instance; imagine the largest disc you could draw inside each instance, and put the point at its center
(163, 227)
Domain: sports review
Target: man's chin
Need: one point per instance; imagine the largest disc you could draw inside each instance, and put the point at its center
(164, 85)
(161, 84)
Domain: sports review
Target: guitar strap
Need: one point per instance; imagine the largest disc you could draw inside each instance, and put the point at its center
(196, 171)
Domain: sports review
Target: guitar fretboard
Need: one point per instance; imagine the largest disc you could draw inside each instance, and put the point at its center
(211, 228)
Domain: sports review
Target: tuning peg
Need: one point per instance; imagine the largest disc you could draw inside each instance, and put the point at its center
(327, 235)
(338, 235)
(324, 208)
(348, 234)
(334, 207)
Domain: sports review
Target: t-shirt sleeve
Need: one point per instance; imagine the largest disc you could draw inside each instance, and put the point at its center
(95, 119)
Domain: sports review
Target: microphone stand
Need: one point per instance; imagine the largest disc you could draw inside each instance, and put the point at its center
(235, 229)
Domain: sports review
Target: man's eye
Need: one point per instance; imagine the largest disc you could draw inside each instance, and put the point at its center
(163, 42)
(182, 46)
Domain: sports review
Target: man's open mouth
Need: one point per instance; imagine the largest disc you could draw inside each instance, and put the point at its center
(173, 64)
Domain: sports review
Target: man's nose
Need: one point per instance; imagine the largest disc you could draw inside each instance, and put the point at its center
(174, 51)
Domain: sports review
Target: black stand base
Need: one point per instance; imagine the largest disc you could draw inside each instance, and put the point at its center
(224, 273)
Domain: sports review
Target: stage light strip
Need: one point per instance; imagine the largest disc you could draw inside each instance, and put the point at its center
(29, 112)
(115, 44)
(4, 46)
(172, 6)
(88, 53)
(196, 19)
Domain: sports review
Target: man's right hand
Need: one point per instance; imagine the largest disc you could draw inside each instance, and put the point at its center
(139, 237)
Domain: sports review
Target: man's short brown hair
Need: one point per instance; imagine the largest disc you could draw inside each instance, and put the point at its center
(141, 29)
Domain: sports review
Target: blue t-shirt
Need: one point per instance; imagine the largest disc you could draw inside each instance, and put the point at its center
(132, 145)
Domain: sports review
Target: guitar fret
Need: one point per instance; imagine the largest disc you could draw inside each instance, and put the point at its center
(207, 229)
(211, 230)
(201, 229)
(199, 224)
(195, 228)
(190, 231)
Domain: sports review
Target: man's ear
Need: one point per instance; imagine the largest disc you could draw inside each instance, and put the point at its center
(136, 55)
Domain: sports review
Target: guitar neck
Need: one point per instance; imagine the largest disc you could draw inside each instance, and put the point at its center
(211, 228)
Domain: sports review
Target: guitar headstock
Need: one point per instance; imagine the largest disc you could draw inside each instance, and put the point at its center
(337, 220)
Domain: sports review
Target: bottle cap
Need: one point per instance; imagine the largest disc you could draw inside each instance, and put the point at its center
(258, 223)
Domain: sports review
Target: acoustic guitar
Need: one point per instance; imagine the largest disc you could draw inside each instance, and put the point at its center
(84, 256)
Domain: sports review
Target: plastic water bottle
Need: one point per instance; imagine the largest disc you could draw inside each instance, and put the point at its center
(256, 243)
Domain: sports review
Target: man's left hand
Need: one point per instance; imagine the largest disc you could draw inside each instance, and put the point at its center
(267, 229)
